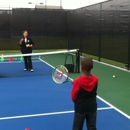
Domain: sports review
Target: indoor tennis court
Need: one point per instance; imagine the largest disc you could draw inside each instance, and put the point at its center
(35, 101)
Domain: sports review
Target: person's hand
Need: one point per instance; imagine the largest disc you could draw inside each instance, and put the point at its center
(21, 41)
(72, 81)
(27, 45)
(31, 45)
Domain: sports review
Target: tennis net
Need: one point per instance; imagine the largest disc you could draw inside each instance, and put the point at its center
(12, 65)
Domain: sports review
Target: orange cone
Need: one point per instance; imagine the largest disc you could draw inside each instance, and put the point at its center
(10, 59)
(27, 129)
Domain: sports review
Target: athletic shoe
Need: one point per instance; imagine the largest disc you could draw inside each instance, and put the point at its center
(31, 70)
(25, 69)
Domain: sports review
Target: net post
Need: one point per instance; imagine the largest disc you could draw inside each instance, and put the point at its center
(78, 61)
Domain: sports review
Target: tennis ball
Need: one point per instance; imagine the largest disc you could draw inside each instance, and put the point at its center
(114, 76)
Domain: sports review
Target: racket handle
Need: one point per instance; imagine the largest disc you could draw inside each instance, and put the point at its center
(71, 80)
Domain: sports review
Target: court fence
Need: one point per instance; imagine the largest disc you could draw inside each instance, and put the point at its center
(102, 30)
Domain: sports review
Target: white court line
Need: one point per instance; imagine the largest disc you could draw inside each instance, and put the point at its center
(53, 67)
(47, 63)
(105, 108)
(121, 112)
(113, 107)
(102, 98)
(113, 66)
(46, 114)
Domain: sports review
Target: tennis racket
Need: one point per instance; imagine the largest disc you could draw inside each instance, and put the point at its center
(60, 75)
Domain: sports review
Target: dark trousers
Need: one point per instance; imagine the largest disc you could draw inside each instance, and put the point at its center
(79, 121)
(28, 62)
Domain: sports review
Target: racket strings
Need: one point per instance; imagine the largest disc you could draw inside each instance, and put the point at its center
(60, 74)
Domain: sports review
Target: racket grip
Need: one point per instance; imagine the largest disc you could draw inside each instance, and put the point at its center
(71, 80)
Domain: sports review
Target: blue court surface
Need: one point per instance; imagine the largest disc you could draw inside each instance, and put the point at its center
(32, 100)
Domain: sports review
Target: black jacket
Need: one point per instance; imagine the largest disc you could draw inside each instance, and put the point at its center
(86, 101)
(25, 49)
(84, 94)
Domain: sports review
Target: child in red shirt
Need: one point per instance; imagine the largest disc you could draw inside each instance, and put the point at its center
(83, 94)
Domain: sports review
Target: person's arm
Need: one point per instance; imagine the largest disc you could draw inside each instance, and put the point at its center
(75, 90)
(21, 42)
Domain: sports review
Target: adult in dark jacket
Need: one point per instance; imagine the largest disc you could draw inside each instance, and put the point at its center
(26, 44)
(83, 95)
